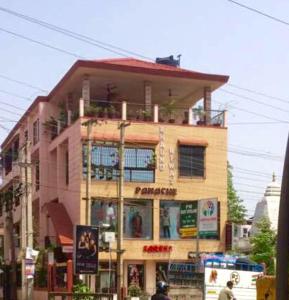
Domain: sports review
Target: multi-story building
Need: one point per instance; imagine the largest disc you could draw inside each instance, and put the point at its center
(174, 155)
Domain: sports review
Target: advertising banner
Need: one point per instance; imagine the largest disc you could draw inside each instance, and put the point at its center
(188, 219)
(85, 249)
(244, 283)
(208, 218)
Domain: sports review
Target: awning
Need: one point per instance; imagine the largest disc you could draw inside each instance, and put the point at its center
(61, 222)
(193, 142)
(129, 138)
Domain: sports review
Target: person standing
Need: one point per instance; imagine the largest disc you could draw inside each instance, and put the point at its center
(226, 293)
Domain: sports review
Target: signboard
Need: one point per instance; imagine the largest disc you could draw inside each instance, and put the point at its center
(29, 268)
(208, 218)
(188, 219)
(85, 249)
(244, 283)
(184, 274)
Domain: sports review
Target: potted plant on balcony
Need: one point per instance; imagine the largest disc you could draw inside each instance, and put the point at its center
(152, 163)
(168, 109)
(147, 115)
(91, 111)
(111, 112)
(199, 114)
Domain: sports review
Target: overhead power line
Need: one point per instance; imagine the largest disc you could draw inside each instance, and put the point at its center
(253, 100)
(81, 37)
(258, 93)
(259, 12)
(23, 83)
(39, 43)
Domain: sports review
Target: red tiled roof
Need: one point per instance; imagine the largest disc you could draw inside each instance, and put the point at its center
(125, 65)
(61, 222)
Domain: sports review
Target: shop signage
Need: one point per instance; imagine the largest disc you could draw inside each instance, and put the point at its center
(85, 256)
(162, 149)
(157, 248)
(208, 217)
(155, 191)
(188, 219)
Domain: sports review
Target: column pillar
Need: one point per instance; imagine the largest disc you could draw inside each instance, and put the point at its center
(124, 111)
(81, 107)
(148, 96)
(156, 113)
(207, 105)
(86, 90)
(191, 116)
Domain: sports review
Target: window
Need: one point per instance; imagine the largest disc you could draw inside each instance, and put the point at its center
(135, 275)
(26, 135)
(178, 219)
(104, 212)
(138, 219)
(191, 161)
(7, 157)
(139, 163)
(37, 176)
(36, 132)
(66, 168)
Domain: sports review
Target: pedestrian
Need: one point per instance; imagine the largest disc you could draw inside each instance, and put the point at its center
(162, 291)
(226, 293)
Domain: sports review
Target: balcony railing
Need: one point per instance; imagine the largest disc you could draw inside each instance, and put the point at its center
(166, 113)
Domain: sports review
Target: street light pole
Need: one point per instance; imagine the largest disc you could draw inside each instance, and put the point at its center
(119, 251)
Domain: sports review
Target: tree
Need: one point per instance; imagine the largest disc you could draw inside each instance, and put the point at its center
(236, 208)
(264, 245)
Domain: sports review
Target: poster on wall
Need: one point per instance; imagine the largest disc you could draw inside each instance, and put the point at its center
(104, 212)
(137, 219)
(188, 219)
(162, 272)
(178, 219)
(135, 275)
(85, 243)
(208, 218)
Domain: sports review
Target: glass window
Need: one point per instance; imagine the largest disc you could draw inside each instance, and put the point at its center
(105, 164)
(178, 219)
(104, 212)
(191, 161)
(138, 219)
(37, 175)
(36, 132)
(135, 275)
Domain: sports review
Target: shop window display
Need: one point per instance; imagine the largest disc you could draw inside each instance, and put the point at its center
(178, 219)
(138, 219)
(104, 212)
(135, 275)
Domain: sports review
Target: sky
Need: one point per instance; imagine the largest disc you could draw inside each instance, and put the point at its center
(213, 36)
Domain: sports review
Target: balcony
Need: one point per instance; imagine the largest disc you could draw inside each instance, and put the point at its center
(167, 113)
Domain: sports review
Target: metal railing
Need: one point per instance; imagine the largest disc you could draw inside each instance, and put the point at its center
(79, 296)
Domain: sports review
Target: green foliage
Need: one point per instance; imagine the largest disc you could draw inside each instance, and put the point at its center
(134, 290)
(168, 108)
(264, 245)
(236, 208)
(81, 288)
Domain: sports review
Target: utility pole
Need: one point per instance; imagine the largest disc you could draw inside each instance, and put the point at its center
(26, 218)
(23, 225)
(88, 173)
(29, 215)
(119, 250)
(9, 218)
(88, 183)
